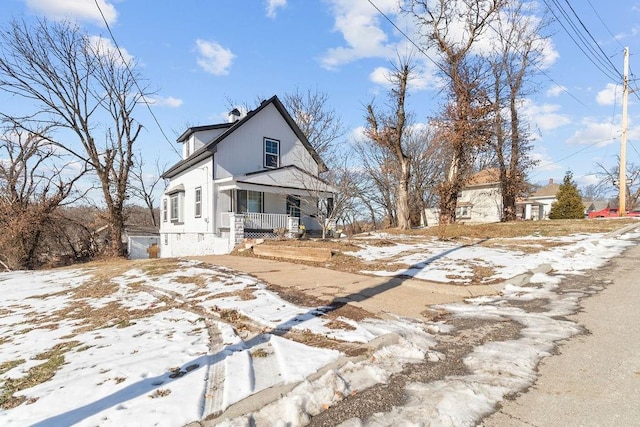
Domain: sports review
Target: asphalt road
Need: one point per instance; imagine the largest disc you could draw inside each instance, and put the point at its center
(595, 381)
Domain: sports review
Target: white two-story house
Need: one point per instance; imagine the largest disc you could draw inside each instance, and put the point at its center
(256, 175)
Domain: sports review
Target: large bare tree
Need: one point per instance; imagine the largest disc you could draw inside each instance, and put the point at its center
(35, 180)
(452, 28)
(517, 53)
(387, 130)
(86, 90)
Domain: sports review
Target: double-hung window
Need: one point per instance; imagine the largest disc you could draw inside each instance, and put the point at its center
(198, 202)
(165, 210)
(271, 153)
(175, 209)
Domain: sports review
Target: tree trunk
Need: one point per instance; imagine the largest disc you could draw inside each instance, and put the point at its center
(402, 199)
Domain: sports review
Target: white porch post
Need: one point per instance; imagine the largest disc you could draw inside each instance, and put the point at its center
(236, 228)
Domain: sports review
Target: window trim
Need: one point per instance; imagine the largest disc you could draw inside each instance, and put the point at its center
(244, 198)
(165, 210)
(197, 208)
(174, 202)
(293, 206)
(266, 155)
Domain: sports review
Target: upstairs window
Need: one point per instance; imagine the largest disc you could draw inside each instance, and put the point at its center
(271, 153)
(198, 202)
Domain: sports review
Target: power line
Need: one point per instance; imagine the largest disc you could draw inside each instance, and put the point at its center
(604, 24)
(604, 55)
(603, 65)
(490, 26)
(576, 152)
(420, 49)
(135, 82)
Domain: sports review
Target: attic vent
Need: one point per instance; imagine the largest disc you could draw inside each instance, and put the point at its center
(234, 115)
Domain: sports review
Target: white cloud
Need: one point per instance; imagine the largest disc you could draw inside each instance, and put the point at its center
(545, 163)
(273, 6)
(360, 27)
(608, 95)
(417, 81)
(213, 58)
(160, 101)
(545, 116)
(104, 46)
(556, 90)
(85, 10)
(597, 133)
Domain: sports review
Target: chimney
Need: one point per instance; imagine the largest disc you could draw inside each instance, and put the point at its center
(550, 181)
(234, 115)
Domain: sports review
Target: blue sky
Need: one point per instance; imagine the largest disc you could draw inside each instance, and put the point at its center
(198, 55)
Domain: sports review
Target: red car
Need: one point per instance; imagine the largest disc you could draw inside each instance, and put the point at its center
(610, 213)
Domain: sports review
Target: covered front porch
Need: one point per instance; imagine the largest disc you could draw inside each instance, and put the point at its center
(273, 201)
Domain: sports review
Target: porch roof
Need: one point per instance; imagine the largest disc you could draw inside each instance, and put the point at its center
(289, 179)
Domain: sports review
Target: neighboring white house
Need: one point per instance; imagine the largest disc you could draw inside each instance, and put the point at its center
(245, 178)
(480, 201)
(538, 205)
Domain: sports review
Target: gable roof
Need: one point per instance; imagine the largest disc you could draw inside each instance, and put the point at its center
(549, 190)
(210, 148)
(484, 177)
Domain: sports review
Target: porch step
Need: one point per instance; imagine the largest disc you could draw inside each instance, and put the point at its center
(294, 252)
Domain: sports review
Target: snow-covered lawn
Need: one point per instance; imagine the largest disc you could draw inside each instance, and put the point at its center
(168, 342)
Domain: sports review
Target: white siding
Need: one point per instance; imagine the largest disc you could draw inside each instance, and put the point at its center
(242, 152)
(198, 176)
(486, 203)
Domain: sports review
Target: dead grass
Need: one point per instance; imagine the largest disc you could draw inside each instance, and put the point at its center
(497, 235)
(550, 228)
(315, 340)
(54, 359)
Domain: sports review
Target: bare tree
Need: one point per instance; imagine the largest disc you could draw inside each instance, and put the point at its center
(34, 182)
(84, 87)
(453, 27)
(144, 186)
(609, 179)
(379, 178)
(317, 120)
(517, 51)
(388, 131)
(428, 155)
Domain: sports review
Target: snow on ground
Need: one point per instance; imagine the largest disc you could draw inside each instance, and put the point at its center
(146, 347)
(440, 261)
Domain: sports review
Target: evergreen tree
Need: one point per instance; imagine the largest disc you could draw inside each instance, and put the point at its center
(569, 202)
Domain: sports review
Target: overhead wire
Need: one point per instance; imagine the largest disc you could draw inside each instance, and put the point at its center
(135, 81)
(603, 23)
(604, 55)
(575, 153)
(603, 65)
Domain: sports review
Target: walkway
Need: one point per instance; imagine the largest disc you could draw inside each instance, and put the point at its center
(379, 295)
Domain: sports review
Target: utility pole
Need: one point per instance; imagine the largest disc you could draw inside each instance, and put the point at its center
(622, 205)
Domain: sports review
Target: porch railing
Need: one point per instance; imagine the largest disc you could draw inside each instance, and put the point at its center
(258, 221)
(265, 221)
